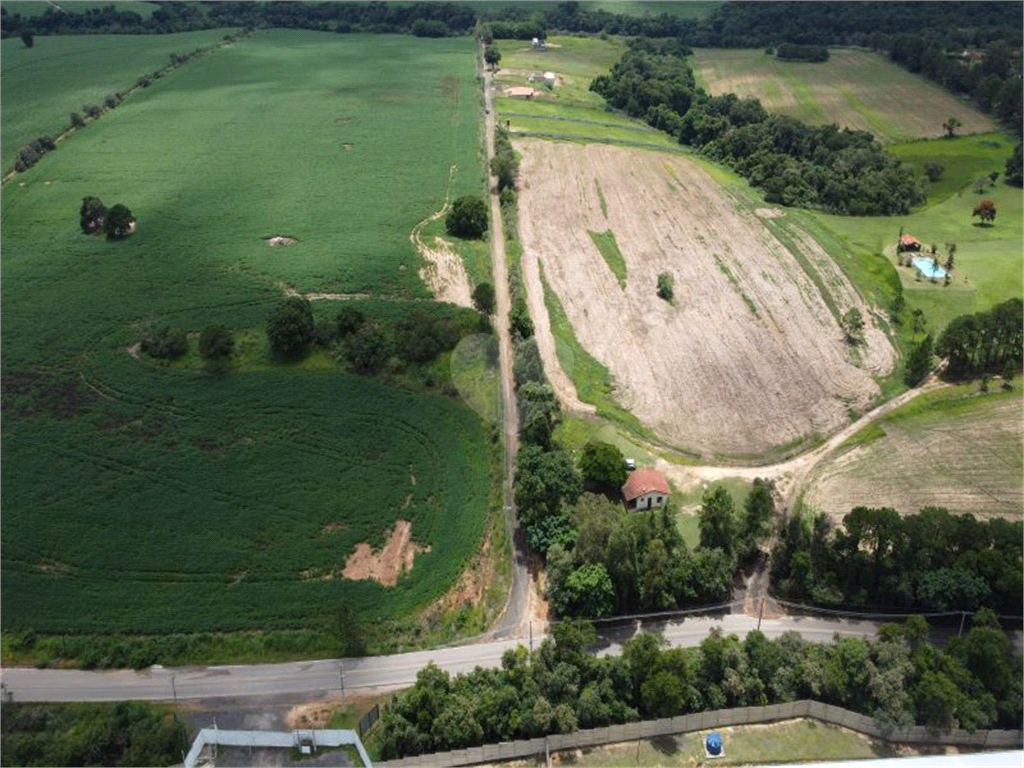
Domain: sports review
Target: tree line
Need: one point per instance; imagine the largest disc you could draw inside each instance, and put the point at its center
(844, 171)
(126, 733)
(931, 561)
(898, 678)
(984, 342)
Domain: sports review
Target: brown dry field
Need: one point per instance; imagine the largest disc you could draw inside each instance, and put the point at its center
(971, 462)
(707, 374)
(856, 89)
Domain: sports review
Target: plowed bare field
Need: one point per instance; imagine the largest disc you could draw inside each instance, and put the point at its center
(970, 461)
(750, 357)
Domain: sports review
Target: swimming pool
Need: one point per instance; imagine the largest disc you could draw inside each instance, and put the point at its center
(927, 267)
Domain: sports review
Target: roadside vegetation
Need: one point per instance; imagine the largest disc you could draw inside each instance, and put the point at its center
(127, 733)
(898, 679)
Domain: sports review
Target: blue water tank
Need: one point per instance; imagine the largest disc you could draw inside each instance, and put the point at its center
(713, 743)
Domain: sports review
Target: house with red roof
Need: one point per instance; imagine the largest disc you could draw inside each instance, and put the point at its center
(909, 243)
(645, 488)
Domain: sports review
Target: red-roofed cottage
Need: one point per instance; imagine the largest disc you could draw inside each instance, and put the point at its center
(645, 489)
(909, 243)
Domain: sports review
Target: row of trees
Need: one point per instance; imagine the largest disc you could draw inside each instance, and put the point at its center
(931, 561)
(840, 171)
(897, 678)
(797, 52)
(985, 342)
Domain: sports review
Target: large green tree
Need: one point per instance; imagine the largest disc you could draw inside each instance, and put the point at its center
(603, 466)
(215, 342)
(467, 218)
(290, 327)
(719, 523)
(118, 222)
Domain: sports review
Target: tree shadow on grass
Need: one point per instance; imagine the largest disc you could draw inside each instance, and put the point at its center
(666, 745)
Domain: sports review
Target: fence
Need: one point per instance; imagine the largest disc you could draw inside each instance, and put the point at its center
(367, 721)
(700, 721)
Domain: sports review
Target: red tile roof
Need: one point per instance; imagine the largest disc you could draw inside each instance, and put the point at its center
(909, 240)
(643, 481)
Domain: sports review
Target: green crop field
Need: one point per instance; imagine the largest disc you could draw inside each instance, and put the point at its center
(44, 84)
(854, 88)
(956, 448)
(148, 498)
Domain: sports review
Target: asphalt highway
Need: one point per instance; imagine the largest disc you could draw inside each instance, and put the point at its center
(378, 673)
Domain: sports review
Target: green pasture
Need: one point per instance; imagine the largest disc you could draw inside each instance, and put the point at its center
(155, 498)
(30, 8)
(964, 159)
(988, 264)
(590, 130)
(44, 84)
(854, 88)
(576, 60)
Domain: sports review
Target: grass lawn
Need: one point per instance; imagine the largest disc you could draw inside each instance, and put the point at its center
(988, 263)
(854, 88)
(151, 498)
(44, 84)
(576, 61)
(787, 742)
(964, 159)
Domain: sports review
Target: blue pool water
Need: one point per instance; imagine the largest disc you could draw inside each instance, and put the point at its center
(926, 266)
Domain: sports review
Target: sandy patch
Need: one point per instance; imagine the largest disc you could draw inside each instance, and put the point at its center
(315, 715)
(48, 565)
(135, 349)
(333, 526)
(749, 358)
(237, 577)
(770, 213)
(281, 240)
(444, 272)
(387, 564)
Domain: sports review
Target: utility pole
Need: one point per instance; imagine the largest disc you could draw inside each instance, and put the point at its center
(341, 673)
(963, 614)
(760, 613)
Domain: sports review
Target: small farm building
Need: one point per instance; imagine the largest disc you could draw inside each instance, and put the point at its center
(549, 79)
(519, 92)
(909, 243)
(535, 77)
(645, 489)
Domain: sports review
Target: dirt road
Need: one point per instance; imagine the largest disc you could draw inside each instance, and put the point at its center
(521, 595)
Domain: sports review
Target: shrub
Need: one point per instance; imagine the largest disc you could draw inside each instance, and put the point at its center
(215, 342)
(112, 100)
(77, 121)
(665, 286)
(166, 343)
(467, 218)
(92, 110)
(91, 214)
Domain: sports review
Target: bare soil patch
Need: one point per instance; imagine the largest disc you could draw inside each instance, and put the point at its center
(966, 463)
(281, 240)
(749, 359)
(444, 272)
(333, 526)
(770, 213)
(387, 564)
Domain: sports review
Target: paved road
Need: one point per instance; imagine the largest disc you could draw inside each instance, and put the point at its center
(512, 620)
(379, 673)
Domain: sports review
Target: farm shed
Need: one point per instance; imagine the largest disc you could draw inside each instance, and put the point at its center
(549, 79)
(519, 92)
(645, 489)
(909, 243)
